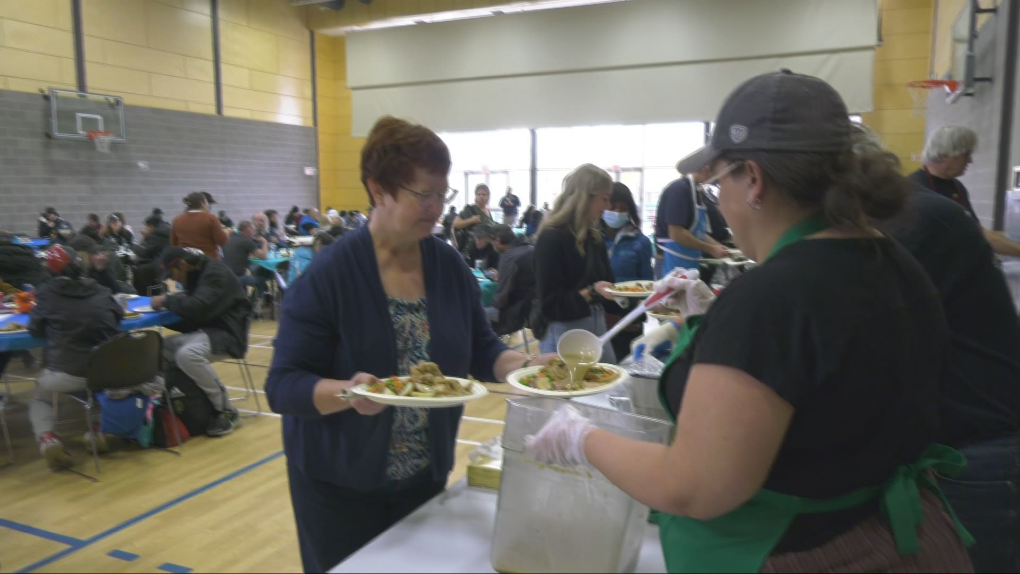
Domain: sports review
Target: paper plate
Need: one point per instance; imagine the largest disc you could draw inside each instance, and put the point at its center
(478, 391)
(664, 317)
(514, 379)
(638, 294)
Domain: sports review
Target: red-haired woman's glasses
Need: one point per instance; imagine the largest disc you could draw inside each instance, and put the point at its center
(431, 198)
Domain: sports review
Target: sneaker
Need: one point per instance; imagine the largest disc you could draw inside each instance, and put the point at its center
(54, 452)
(97, 439)
(224, 423)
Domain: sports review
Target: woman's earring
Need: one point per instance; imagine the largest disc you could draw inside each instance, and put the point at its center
(754, 204)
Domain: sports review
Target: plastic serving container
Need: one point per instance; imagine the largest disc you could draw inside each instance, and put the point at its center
(554, 519)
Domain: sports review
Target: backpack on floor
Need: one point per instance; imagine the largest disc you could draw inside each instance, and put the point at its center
(163, 434)
(189, 401)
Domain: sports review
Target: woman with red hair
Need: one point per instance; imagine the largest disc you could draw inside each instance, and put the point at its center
(374, 304)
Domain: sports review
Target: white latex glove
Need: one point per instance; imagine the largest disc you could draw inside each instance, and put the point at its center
(691, 296)
(561, 440)
(668, 332)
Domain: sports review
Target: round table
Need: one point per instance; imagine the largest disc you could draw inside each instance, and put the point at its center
(21, 340)
(270, 263)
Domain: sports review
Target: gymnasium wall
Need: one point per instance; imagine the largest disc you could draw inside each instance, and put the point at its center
(981, 112)
(247, 165)
(36, 45)
(903, 56)
(339, 152)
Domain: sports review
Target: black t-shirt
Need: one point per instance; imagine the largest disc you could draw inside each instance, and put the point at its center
(850, 332)
(237, 251)
(676, 207)
(982, 382)
(488, 254)
(949, 188)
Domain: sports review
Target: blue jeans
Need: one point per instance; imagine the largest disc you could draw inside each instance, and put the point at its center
(595, 323)
(986, 498)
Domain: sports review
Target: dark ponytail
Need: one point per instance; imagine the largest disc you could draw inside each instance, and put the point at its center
(847, 188)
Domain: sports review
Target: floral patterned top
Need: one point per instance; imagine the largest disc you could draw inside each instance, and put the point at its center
(409, 440)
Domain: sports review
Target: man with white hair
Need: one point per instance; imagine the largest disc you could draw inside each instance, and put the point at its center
(946, 157)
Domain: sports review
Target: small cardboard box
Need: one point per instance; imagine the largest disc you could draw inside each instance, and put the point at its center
(485, 472)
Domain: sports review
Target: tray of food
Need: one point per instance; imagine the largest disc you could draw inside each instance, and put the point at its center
(640, 289)
(426, 387)
(665, 314)
(553, 380)
(12, 328)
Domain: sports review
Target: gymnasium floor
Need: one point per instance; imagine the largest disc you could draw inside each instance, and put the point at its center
(221, 507)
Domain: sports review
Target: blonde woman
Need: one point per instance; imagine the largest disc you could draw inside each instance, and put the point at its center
(571, 262)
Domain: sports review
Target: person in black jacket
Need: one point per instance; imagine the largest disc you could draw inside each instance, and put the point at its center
(149, 253)
(515, 281)
(116, 233)
(93, 228)
(74, 313)
(54, 228)
(18, 264)
(215, 315)
(96, 265)
(571, 261)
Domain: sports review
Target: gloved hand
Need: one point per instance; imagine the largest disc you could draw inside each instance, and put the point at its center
(691, 296)
(656, 339)
(561, 440)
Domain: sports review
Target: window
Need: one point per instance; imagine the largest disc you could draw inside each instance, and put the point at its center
(499, 159)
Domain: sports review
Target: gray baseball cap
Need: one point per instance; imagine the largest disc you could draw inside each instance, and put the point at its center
(781, 112)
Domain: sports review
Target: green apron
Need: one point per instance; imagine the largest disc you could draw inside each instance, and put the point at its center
(742, 540)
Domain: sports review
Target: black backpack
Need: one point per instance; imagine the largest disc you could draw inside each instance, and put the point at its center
(190, 403)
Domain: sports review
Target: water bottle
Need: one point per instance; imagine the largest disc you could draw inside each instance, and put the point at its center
(480, 264)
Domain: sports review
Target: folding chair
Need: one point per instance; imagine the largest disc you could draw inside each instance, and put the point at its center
(127, 360)
(246, 377)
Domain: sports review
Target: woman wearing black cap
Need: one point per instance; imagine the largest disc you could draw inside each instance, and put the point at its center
(115, 233)
(807, 397)
(53, 227)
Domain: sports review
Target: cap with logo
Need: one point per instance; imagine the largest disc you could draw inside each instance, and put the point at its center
(779, 112)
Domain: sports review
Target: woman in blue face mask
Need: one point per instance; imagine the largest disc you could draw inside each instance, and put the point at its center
(630, 254)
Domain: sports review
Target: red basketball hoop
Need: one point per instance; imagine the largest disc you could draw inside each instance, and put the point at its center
(102, 140)
(919, 91)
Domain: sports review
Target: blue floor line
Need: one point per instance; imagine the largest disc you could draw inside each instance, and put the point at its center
(40, 533)
(122, 555)
(141, 517)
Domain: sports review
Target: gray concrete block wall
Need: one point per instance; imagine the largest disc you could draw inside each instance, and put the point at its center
(981, 112)
(247, 165)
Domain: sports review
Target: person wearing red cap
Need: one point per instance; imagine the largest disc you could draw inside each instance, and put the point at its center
(73, 313)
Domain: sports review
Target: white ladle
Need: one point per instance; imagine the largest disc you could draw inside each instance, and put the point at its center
(581, 341)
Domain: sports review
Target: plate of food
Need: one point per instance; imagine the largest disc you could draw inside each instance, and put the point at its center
(144, 309)
(640, 289)
(132, 314)
(665, 314)
(553, 380)
(426, 387)
(13, 328)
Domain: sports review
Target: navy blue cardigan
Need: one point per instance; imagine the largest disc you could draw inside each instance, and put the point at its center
(335, 323)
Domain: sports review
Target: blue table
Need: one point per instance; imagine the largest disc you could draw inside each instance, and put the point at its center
(39, 243)
(488, 287)
(21, 341)
(271, 263)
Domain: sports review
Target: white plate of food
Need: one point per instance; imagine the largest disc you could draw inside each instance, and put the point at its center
(553, 380)
(640, 289)
(426, 388)
(12, 328)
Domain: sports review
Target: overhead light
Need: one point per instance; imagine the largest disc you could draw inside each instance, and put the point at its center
(453, 15)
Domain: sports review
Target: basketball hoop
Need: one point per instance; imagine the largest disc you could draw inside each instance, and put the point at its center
(919, 92)
(102, 140)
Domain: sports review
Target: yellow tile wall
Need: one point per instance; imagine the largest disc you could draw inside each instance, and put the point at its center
(903, 56)
(155, 53)
(267, 61)
(339, 153)
(36, 45)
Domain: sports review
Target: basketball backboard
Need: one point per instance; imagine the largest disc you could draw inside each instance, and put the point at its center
(75, 114)
(962, 63)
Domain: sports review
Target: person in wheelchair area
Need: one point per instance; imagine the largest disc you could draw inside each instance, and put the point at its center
(75, 314)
